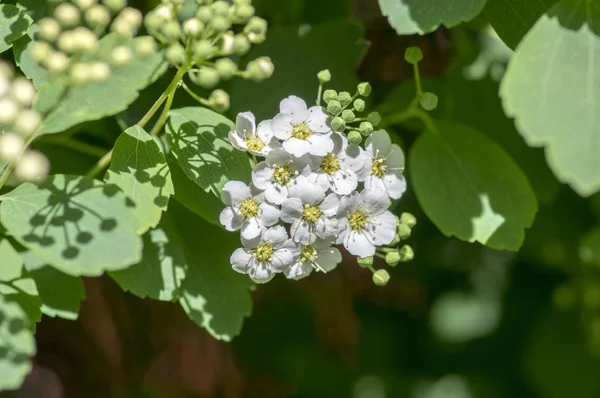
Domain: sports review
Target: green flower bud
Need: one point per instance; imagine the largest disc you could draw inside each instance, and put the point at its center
(242, 2)
(11, 145)
(67, 15)
(221, 8)
(219, 101)
(121, 55)
(115, 5)
(220, 24)
(84, 4)
(374, 118)
(206, 77)
(226, 68)
(329, 95)
(242, 13)
(381, 277)
(193, 27)
(204, 14)
(97, 17)
(413, 55)
(334, 107)
(175, 54)
(32, 166)
(396, 240)
(359, 105)
(365, 129)
(338, 124)
(40, 50)
(202, 50)
(403, 231)
(324, 76)
(57, 61)
(256, 38)
(344, 97)
(241, 45)
(99, 71)
(428, 101)
(256, 25)
(406, 253)
(354, 138)
(348, 115)
(171, 30)
(145, 45)
(260, 69)
(48, 29)
(365, 262)
(163, 13)
(408, 219)
(392, 258)
(364, 89)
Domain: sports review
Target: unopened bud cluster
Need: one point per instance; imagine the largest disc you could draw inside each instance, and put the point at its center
(17, 123)
(203, 36)
(76, 27)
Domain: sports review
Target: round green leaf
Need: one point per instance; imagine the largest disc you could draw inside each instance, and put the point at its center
(139, 168)
(78, 225)
(551, 88)
(470, 188)
(408, 17)
(13, 25)
(25, 61)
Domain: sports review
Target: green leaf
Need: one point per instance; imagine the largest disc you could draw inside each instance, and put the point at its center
(78, 225)
(198, 139)
(96, 100)
(299, 54)
(139, 168)
(408, 17)
(551, 88)
(214, 296)
(36, 9)
(13, 25)
(470, 188)
(61, 294)
(17, 345)
(589, 248)
(163, 267)
(24, 59)
(512, 19)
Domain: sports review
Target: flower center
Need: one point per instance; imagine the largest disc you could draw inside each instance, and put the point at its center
(263, 253)
(357, 220)
(282, 175)
(301, 131)
(308, 255)
(248, 208)
(311, 214)
(254, 143)
(379, 167)
(330, 164)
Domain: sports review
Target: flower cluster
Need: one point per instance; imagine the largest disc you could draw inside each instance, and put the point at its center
(315, 184)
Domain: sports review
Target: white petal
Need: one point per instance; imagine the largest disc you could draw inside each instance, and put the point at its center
(317, 120)
(329, 258)
(282, 259)
(231, 219)
(383, 228)
(264, 130)
(375, 183)
(330, 205)
(262, 175)
(379, 144)
(234, 192)
(343, 182)
(340, 142)
(320, 244)
(237, 141)
(298, 270)
(344, 231)
(291, 210)
(320, 144)
(348, 204)
(251, 243)
(359, 244)
(240, 260)
(278, 158)
(354, 158)
(296, 107)
(276, 194)
(251, 228)
(308, 192)
(269, 214)
(365, 171)
(245, 123)
(301, 165)
(270, 146)
(327, 228)
(320, 178)
(395, 184)
(374, 201)
(297, 147)
(282, 126)
(301, 232)
(395, 160)
(277, 235)
(261, 273)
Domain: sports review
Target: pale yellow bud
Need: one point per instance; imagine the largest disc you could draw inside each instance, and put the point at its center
(193, 27)
(57, 61)
(99, 71)
(6, 70)
(128, 22)
(49, 29)
(164, 12)
(5, 86)
(85, 39)
(97, 16)
(27, 122)
(40, 50)
(79, 73)
(23, 91)
(67, 15)
(84, 4)
(121, 55)
(32, 166)
(11, 145)
(227, 43)
(9, 110)
(145, 46)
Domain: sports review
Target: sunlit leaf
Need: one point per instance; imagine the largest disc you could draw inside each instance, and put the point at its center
(13, 25)
(24, 59)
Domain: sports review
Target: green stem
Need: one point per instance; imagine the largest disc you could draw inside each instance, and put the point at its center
(164, 115)
(75, 145)
(319, 93)
(192, 94)
(418, 80)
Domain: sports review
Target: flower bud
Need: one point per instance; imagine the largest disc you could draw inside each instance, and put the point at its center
(204, 14)
(32, 166)
(358, 105)
(226, 68)
(256, 25)
(392, 258)
(242, 2)
(202, 50)
(220, 24)
(374, 118)
(241, 45)
(364, 89)
(23, 91)
(324, 76)
(396, 240)
(145, 45)
(48, 29)
(406, 253)
(27, 122)
(99, 71)
(334, 107)
(344, 97)
(97, 16)
(11, 145)
(219, 101)
(365, 262)
(67, 15)
(40, 50)
(127, 22)
(9, 110)
(115, 5)
(221, 8)
(381, 277)
(338, 124)
(408, 219)
(260, 69)
(330, 95)
(79, 74)
(175, 54)
(365, 129)
(428, 101)
(5, 85)
(121, 55)
(354, 138)
(403, 231)
(171, 30)
(348, 115)
(242, 13)
(413, 55)
(84, 4)
(57, 61)
(206, 77)
(193, 27)
(256, 38)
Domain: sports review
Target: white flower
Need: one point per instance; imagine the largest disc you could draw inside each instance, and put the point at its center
(277, 173)
(264, 255)
(337, 169)
(384, 165)
(258, 140)
(302, 130)
(365, 222)
(310, 212)
(246, 210)
(319, 255)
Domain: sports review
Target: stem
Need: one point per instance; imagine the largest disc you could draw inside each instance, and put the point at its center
(102, 163)
(418, 80)
(192, 94)
(75, 145)
(164, 115)
(319, 92)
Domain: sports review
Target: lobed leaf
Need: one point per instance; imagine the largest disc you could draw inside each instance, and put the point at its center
(25, 61)
(13, 25)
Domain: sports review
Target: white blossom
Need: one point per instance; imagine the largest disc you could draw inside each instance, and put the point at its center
(258, 140)
(246, 210)
(277, 173)
(365, 222)
(264, 255)
(319, 255)
(303, 130)
(311, 213)
(384, 165)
